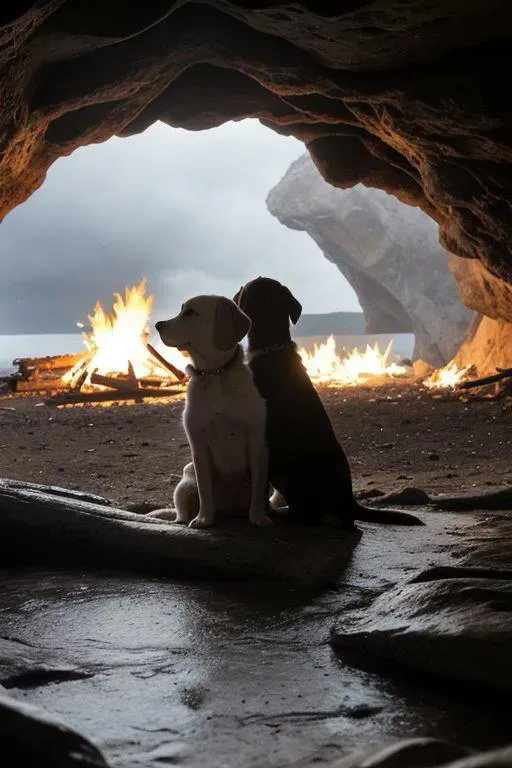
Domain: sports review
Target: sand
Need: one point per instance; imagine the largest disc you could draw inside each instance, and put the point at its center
(394, 436)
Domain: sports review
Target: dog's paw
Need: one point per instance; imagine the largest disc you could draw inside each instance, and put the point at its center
(201, 522)
(165, 513)
(260, 520)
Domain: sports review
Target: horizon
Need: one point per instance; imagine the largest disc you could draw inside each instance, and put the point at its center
(111, 212)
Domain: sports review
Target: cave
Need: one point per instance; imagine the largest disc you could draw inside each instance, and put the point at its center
(402, 96)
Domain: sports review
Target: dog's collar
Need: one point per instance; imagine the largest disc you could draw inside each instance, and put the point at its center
(271, 348)
(193, 371)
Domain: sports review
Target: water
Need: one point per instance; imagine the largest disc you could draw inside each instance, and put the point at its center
(36, 345)
(41, 345)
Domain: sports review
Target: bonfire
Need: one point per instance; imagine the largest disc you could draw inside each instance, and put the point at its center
(118, 343)
(119, 363)
(324, 365)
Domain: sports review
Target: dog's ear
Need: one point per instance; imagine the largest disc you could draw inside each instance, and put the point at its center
(236, 297)
(294, 306)
(230, 325)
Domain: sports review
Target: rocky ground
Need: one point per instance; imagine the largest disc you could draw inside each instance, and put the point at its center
(394, 436)
(158, 671)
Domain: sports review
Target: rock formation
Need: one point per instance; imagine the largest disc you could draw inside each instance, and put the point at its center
(388, 251)
(33, 737)
(406, 97)
(445, 620)
(402, 97)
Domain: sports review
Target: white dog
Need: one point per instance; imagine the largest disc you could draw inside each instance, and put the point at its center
(224, 416)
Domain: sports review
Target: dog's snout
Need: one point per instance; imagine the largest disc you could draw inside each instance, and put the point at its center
(159, 325)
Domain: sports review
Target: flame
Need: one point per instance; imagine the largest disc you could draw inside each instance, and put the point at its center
(446, 377)
(118, 341)
(324, 366)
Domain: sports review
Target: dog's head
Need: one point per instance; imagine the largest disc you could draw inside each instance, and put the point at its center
(270, 306)
(206, 325)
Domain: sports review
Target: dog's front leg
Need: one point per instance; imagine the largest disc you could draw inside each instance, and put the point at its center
(204, 476)
(258, 460)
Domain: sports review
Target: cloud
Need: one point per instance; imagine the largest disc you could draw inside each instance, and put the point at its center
(185, 209)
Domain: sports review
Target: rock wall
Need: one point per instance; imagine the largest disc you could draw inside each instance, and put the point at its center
(407, 97)
(389, 253)
(488, 346)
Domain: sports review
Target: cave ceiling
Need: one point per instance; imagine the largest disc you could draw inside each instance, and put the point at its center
(409, 96)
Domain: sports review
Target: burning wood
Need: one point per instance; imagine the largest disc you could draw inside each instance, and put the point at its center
(324, 366)
(118, 363)
(120, 340)
(111, 395)
(502, 373)
(448, 377)
(180, 375)
(117, 382)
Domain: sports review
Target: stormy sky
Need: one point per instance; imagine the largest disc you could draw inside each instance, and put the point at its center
(186, 210)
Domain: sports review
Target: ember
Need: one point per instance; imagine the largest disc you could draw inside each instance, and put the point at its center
(324, 366)
(448, 377)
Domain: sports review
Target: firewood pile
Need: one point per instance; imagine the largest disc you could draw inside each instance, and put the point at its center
(48, 376)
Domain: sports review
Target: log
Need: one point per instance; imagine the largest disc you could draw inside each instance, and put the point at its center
(45, 529)
(113, 382)
(131, 375)
(51, 363)
(81, 373)
(74, 398)
(503, 373)
(40, 385)
(180, 375)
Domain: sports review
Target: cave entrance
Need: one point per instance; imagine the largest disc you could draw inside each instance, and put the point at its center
(187, 211)
(205, 212)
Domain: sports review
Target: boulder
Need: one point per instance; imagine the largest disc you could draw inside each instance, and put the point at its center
(61, 528)
(422, 753)
(32, 738)
(388, 252)
(457, 627)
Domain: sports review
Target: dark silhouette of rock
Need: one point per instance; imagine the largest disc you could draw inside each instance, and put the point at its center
(31, 738)
(421, 753)
(388, 251)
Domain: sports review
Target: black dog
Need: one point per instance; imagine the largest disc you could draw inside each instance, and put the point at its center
(307, 465)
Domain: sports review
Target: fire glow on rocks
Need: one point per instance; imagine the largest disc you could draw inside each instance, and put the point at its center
(447, 377)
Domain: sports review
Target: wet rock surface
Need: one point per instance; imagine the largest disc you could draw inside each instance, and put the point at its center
(453, 622)
(57, 526)
(425, 753)
(459, 627)
(233, 674)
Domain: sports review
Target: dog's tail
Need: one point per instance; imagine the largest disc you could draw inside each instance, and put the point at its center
(385, 516)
